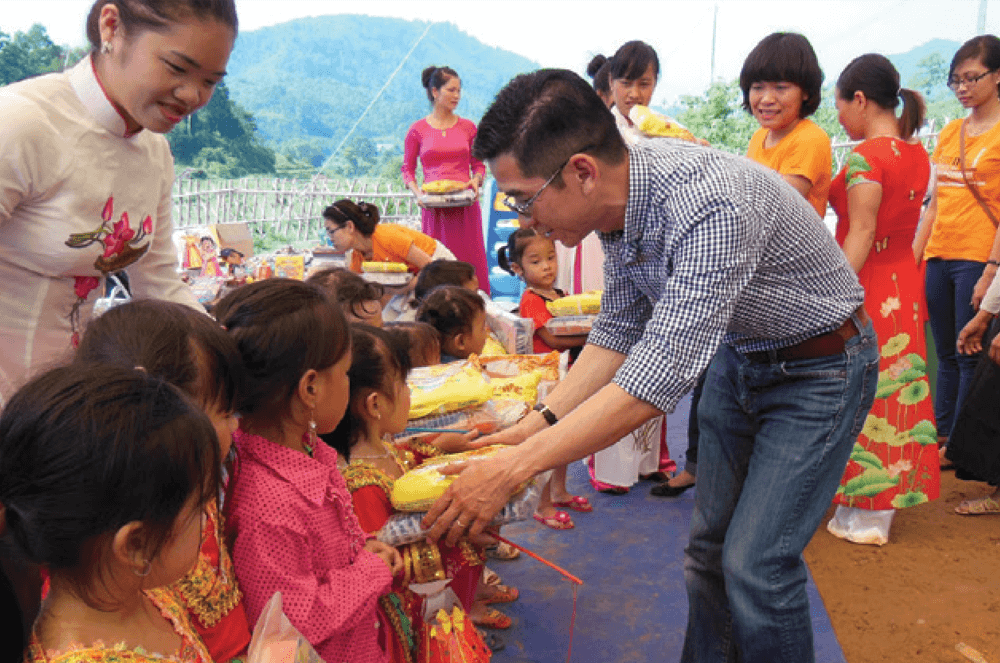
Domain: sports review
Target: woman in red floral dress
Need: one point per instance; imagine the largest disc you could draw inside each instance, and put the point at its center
(878, 197)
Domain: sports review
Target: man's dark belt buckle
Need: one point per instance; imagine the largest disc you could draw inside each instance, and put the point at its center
(823, 345)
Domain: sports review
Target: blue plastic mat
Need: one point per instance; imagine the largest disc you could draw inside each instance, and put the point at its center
(629, 553)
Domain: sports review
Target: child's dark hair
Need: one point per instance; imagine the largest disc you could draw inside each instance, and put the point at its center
(137, 16)
(282, 328)
(632, 60)
(875, 75)
(86, 449)
(441, 272)
(363, 215)
(516, 244)
(435, 78)
(784, 56)
(377, 361)
(170, 341)
(419, 338)
(349, 290)
(450, 309)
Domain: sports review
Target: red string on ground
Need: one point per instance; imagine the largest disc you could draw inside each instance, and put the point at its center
(566, 574)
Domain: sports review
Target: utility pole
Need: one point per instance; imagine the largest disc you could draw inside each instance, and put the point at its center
(715, 22)
(981, 21)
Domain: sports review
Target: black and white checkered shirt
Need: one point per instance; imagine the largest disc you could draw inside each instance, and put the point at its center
(716, 248)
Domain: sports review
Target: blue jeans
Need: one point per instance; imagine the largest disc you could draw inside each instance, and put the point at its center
(948, 285)
(775, 438)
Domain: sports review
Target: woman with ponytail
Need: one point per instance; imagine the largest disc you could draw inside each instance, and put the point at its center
(878, 197)
(442, 142)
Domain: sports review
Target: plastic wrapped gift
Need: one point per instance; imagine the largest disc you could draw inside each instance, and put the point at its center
(570, 325)
(462, 198)
(403, 527)
(487, 418)
(438, 187)
(587, 303)
(654, 125)
(512, 331)
(446, 388)
(275, 640)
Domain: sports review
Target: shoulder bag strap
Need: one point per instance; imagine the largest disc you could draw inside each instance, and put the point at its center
(969, 183)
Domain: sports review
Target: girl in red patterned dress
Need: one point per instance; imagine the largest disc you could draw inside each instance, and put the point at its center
(532, 258)
(370, 462)
(104, 476)
(878, 197)
(190, 351)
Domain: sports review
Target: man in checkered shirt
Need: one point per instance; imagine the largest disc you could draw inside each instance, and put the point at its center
(710, 261)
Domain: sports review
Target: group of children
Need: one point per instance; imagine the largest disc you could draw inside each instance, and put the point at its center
(162, 528)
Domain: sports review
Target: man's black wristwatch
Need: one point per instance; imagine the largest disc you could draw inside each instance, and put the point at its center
(548, 414)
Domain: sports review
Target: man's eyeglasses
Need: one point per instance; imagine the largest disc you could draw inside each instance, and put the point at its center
(968, 81)
(524, 209)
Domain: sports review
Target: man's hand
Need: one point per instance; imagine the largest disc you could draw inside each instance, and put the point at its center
(481, 490)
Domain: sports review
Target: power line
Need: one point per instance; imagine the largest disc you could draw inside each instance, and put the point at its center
(374, 99)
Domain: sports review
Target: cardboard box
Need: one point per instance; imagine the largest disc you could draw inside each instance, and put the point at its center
(235, 236)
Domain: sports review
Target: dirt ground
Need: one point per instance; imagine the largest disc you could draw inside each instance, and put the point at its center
(934, 585)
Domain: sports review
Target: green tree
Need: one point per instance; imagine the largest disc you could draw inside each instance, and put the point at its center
(931, 76)
(222, 140)
(29, 54)
(718, 117)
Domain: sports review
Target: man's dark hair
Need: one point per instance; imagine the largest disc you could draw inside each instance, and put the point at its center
(543, 118)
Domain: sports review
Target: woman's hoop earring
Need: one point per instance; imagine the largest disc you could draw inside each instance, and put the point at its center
(106, 47)
(146, 570)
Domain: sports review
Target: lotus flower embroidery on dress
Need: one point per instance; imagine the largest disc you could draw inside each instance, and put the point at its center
(121, 249)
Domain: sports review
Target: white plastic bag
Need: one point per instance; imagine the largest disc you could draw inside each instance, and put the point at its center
(275, 640)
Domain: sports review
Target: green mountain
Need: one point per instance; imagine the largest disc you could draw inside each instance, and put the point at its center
(309, 80)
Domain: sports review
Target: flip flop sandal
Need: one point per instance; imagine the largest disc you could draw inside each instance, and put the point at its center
(493, 618)
(559, 521)
(981, 507)
(577, 503)
(503, 594)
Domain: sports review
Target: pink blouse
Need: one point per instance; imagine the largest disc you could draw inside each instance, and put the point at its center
(297, 533)
(444, 154)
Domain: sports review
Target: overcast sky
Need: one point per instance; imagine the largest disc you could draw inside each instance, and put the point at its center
(567, 33)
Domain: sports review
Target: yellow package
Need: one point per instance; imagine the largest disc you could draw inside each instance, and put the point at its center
(657, 126)
(520, 388)
(508, 366)
(446, 388)
(380, 266)
(417, 489)
(443, 186)
(587, 303)
(493, 346)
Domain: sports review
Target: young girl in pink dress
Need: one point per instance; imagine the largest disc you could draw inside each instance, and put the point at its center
(295, 527)
(442, 142)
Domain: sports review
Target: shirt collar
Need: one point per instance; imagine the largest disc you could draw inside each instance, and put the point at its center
(309, 476)
(83, 78)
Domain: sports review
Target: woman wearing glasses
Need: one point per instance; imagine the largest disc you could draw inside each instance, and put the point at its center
(958, 235)
(442, 142)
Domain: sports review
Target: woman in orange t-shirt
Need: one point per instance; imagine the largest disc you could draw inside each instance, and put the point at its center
(957, 237)
(781, 82)
(355, 226)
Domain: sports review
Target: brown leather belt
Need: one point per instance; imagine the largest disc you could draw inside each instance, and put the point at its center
(824, 345)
